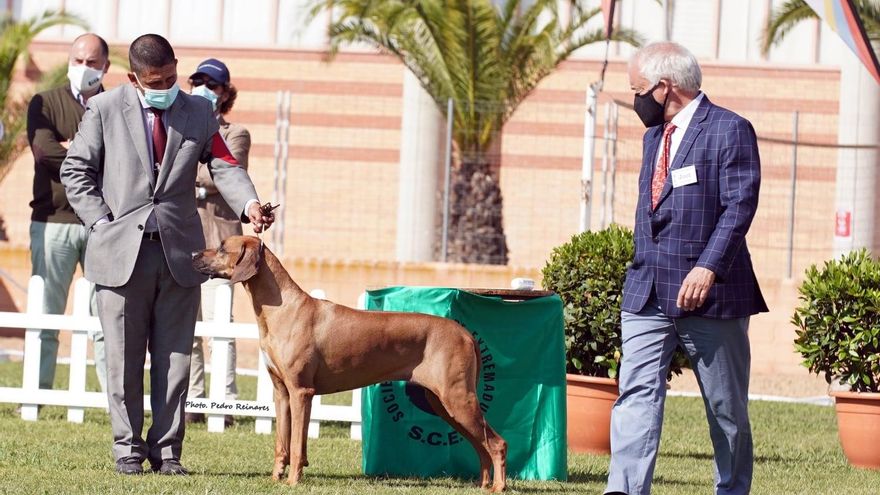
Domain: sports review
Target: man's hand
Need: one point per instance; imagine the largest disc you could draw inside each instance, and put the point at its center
(695, 288)
(261, 216)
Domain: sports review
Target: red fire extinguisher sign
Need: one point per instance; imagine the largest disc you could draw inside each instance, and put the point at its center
(842, 223)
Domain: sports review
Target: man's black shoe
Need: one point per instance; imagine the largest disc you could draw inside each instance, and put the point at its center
(129, 465)
(169, 467)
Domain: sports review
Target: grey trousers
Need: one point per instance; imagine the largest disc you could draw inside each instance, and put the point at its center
(720, 357)
(197, 368)
(56, 249)
(150, 311)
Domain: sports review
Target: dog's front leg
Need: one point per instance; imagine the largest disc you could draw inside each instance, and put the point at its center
(300, 409)
(282, 429)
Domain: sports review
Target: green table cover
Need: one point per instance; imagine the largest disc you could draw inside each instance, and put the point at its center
(521, 390)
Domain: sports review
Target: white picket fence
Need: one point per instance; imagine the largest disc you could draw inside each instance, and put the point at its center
(76, 399)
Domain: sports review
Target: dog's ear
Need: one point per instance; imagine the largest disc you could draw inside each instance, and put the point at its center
(247, 264)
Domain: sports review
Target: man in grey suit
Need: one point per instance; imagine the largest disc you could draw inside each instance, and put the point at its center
(129, 175)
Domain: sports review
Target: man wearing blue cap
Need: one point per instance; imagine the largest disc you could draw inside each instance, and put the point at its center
(211, 81)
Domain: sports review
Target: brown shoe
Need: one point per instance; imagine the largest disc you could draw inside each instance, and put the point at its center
(194, 418)
(228, 421)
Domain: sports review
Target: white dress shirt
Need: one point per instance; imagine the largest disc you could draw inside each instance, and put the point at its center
(681, 121)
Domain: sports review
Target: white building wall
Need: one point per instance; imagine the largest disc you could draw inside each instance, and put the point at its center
(136, 17)
(294, 28)
(193, 22)
(728, 31)
(249, 23)
(695, 25)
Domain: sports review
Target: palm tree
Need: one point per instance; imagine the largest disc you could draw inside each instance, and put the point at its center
(487, 56)
(793, 12)
(15, 38)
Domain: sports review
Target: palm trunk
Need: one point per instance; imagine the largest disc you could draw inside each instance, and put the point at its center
(476, 231)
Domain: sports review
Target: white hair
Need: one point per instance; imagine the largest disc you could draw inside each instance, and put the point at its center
(668, 60)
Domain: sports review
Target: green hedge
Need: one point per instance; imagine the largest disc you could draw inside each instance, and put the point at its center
(588, 274)
(838, 321)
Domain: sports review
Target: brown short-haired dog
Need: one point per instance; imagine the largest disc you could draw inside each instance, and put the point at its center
(317, 347)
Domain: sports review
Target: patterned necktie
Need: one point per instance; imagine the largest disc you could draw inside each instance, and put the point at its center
(159, 137)
(662, 166)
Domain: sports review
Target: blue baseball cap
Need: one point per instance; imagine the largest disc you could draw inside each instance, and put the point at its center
(214, 69)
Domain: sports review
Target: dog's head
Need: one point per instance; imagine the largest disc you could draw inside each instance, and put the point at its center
(237, 259)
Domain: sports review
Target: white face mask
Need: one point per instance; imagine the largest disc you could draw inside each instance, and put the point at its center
(206, 93)
(84, 78)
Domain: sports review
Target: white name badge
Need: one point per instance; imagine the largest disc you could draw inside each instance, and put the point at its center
(684, 176)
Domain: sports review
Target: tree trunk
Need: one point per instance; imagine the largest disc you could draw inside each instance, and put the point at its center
(476, 231)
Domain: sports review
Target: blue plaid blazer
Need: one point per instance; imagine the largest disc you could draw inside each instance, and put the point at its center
(702, 224)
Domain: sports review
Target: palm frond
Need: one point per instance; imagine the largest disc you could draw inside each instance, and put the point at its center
(15, 39)
(486, 57)
(869, 12)
(782, 20)
(793, 12)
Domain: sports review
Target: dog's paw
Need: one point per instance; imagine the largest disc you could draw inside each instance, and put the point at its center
(278, 473)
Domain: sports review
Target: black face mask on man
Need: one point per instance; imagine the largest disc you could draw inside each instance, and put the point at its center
(649, 111)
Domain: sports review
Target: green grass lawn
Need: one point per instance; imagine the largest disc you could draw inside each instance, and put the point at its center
(796, 449)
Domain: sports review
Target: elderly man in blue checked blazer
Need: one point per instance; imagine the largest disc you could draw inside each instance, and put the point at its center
(691, 282)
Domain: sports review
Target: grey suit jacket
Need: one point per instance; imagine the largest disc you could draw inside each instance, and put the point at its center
(107, 171)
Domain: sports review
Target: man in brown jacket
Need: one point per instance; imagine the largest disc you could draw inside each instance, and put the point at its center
(211, 81)
(57, 239)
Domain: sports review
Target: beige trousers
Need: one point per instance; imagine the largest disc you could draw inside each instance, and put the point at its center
(197, 368)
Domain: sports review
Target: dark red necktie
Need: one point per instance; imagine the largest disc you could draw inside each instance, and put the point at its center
(160, 137)
(662, 168)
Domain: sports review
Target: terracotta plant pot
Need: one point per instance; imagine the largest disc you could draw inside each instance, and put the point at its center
(858, 424)
(589, 413)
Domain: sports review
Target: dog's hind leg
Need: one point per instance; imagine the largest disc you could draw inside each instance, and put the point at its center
(282, 428)
(482, 453)
(498, 451)
(300, 410)
(463, 408)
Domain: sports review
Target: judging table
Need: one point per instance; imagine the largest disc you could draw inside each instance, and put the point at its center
(521, 387)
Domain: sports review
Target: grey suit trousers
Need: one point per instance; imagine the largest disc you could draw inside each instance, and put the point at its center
(720, 357)
(150, 311)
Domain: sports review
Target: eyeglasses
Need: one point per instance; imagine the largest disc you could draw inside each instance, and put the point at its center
(210, 83)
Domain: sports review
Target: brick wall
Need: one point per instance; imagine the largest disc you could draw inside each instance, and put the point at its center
(345, 140)
(344, 153)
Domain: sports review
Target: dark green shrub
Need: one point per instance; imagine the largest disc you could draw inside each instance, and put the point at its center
(838, 321)
(588, 273)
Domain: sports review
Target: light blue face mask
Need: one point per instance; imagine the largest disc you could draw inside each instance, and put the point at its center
(206, 93)
(159, 98)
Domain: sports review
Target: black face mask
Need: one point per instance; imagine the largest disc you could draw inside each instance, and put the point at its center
(649, 111)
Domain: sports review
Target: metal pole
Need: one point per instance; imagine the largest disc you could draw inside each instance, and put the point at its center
(794, 149)
(605, 152)
(447, 166)
(277, 164)
(614, 119)
(587, 159)
(285, 146)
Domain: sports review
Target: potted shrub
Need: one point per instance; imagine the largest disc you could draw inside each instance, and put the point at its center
(838, 334)
(588, 274)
